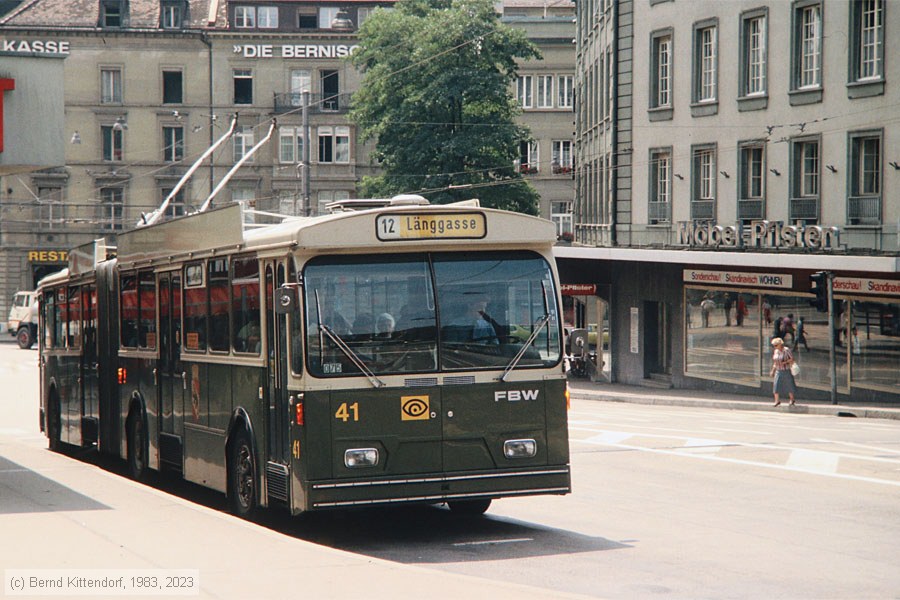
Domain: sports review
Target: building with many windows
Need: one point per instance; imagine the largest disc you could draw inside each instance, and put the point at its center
(146, 86)
(729, 151)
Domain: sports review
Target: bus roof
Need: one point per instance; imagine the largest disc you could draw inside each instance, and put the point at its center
(461, 224)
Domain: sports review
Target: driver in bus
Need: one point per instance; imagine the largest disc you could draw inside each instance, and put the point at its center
(476, 326)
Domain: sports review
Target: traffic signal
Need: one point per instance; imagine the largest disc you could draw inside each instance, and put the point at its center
(819, 282)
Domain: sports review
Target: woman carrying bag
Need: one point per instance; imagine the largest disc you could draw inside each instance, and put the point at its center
(782, 361)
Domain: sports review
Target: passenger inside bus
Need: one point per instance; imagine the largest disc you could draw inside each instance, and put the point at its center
(248, 337)
(384, 326)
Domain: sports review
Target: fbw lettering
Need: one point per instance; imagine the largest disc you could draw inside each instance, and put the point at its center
(516, 395)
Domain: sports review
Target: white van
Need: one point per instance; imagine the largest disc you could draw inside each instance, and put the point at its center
(23, 318)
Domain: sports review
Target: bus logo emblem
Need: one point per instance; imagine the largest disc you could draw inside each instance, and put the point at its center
(414, 408)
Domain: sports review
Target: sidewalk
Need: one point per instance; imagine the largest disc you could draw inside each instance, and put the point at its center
(615, 392)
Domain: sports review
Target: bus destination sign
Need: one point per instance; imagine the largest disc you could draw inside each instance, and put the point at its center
(441, 226)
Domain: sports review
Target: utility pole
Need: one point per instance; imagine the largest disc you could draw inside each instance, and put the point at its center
(831, 353)
(305, 154)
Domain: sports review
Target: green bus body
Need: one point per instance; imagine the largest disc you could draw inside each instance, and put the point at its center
(150, 356)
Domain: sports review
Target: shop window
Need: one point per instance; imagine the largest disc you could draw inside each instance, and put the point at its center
(871, 335)
(722, 335)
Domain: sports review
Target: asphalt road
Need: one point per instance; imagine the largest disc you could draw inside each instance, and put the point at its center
(669, 502)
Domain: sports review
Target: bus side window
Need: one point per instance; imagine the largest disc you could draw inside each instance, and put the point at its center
(246, 333)
(196, 301)
(219, 334)
(128, 311)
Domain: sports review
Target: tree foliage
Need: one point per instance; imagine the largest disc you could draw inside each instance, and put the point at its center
(436, 99)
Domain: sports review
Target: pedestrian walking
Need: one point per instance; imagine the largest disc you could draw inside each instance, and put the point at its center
(800, 335)
(740, 311)
(727, 304)
(706, 307)
(784, 383)
(787, 327)
(767, 311)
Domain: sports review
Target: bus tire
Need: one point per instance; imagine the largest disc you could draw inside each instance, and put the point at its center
(54, 424)
(472, 508)
(25, 338)
(137, 446)
(242, 480)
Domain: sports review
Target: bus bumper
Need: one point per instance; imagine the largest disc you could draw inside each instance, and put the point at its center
(438, 488)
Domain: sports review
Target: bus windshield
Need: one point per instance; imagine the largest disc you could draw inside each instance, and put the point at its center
(417, 313)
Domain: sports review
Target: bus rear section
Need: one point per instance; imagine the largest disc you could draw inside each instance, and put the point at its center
(435, 377)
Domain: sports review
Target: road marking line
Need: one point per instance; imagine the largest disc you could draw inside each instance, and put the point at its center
(750, 463)
(876, 448)
(814, 461)
(491, 542)
(612, 435)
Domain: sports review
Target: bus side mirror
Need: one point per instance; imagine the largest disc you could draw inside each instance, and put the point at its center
(286, 299)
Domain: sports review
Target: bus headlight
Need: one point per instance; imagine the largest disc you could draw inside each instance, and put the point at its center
(356, 458)
(519, 448)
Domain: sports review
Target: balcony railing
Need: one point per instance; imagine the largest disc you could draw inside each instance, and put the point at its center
(318, 103)
(658, 212)
(751, 209)
(803, 209)
(703, 209)
(864, 210)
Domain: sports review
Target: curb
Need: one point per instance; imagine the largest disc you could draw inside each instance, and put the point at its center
(835, 410)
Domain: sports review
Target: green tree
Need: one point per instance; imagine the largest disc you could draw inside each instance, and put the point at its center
(436, 99)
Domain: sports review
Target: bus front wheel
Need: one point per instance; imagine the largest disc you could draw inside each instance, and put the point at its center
(137, 447)
(242, 475)
(469, 507)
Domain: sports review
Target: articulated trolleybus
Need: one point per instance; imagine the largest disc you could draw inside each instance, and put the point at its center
(378, 355)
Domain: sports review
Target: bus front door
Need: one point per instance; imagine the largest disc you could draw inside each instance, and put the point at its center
(277, 426)
(90, 366)
(170, 372)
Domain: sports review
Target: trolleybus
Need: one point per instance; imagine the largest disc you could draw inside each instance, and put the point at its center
(393, 353)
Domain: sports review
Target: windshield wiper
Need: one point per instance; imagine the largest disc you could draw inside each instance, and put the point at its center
(343, 347)
(541, 323)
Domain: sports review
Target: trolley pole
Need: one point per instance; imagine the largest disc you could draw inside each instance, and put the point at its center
(831, 353)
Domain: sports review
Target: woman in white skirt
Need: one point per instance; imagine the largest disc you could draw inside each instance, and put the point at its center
(782, 359)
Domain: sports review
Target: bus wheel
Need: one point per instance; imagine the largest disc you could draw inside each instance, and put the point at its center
(242, 475)
(469, 507)
(54, 424)
(137, 447)
(24, 337)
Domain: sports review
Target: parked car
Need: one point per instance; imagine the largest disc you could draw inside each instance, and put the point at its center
(23, 318)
